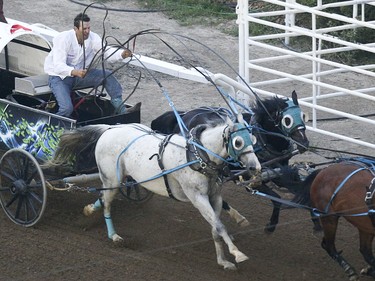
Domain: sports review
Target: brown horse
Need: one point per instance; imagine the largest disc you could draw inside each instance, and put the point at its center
(346, 190)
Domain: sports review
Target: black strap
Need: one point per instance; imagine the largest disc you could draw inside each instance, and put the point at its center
(162, 146)
(205, 166)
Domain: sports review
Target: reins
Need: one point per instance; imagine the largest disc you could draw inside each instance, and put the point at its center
(365, 165)
(206, 166)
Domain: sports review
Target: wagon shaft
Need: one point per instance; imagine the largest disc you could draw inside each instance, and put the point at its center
(73, 182)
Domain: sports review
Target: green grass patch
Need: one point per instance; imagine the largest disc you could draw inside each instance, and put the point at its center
(192, 12)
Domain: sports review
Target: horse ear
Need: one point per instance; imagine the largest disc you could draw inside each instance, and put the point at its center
(294, 98)
(240, 118)
(229, 122)
(247, 116)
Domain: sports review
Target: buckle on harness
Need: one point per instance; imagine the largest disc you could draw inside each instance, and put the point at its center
(250, 189)
(370, 192)
(369, 195)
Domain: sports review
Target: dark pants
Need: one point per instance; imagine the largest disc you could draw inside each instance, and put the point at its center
(61, 88)
(2, 18)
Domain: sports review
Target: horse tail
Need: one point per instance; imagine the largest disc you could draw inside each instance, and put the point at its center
(302, 195)
(74, 143)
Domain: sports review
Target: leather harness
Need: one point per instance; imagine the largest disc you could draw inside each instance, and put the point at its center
(204, 165)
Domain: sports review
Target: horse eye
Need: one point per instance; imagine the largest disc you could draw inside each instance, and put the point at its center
(305, 117)
(253, 139)
(238, 143)
(287, 121)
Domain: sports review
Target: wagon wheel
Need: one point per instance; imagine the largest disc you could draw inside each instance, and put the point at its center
(23, 192)
(135, 192)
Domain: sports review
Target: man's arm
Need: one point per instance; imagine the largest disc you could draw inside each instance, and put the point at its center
(111, 54)
(60, 54)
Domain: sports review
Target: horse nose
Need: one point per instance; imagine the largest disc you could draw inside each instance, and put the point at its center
(254, 166)
(258, 166)
(301, 140)
(302, 147)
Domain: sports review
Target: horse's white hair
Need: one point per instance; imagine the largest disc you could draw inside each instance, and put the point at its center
(133, 150)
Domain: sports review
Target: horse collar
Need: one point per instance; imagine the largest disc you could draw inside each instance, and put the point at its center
(204, 166)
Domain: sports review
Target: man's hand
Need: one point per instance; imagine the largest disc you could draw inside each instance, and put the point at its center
(126, 54)
(79, 72)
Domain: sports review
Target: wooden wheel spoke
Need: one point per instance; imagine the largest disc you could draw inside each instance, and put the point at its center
(12, 200)
(26, 168)
(23, 191)
(35, 196)
(30, 206)
(11, 165)
(32, 176)
(19, 207)
(7, 175)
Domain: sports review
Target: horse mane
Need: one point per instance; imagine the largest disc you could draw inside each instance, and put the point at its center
(264, 108)
(167, 122)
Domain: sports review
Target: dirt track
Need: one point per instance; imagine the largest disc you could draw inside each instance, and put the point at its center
(164, 239)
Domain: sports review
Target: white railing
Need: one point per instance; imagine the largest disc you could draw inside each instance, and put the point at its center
(319, 81)
(324, 82)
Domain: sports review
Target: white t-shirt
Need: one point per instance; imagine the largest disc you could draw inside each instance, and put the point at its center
(67, 53)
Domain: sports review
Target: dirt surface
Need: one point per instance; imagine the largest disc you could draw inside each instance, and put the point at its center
(164, 239)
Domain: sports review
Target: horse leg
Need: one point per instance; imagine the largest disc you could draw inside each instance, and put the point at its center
(108, 196)
(91, 208)
(329, 224)
(274, 219)
(316, 222)
(365, 240)
(234, 214)
(105, 202)
(211, 212)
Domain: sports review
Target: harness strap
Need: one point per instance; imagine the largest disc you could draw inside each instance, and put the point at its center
(279, 200)
(368, 199)
(341, 185)
(196, 151)
(122, 152)
(162, 146)
(314, 211)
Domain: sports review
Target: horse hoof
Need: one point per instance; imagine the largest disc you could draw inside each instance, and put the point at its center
(240, 257)
(243, 223)
(228, 265)
(354, 278)
(269, 228)
(88, 210)
(369, 271)
(117, 238)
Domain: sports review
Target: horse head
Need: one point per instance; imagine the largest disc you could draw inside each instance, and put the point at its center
(283, 115)
(239, 142)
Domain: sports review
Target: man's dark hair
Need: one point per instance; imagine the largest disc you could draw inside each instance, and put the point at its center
(80, 18)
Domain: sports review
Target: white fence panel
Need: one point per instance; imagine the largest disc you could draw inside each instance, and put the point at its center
(326, 86)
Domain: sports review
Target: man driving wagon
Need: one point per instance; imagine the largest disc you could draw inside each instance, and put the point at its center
(69, 65)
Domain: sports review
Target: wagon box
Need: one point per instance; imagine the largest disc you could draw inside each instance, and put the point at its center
(27, 105)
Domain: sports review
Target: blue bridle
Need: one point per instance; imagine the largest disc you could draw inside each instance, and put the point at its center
(238, 141)
(291, 118)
